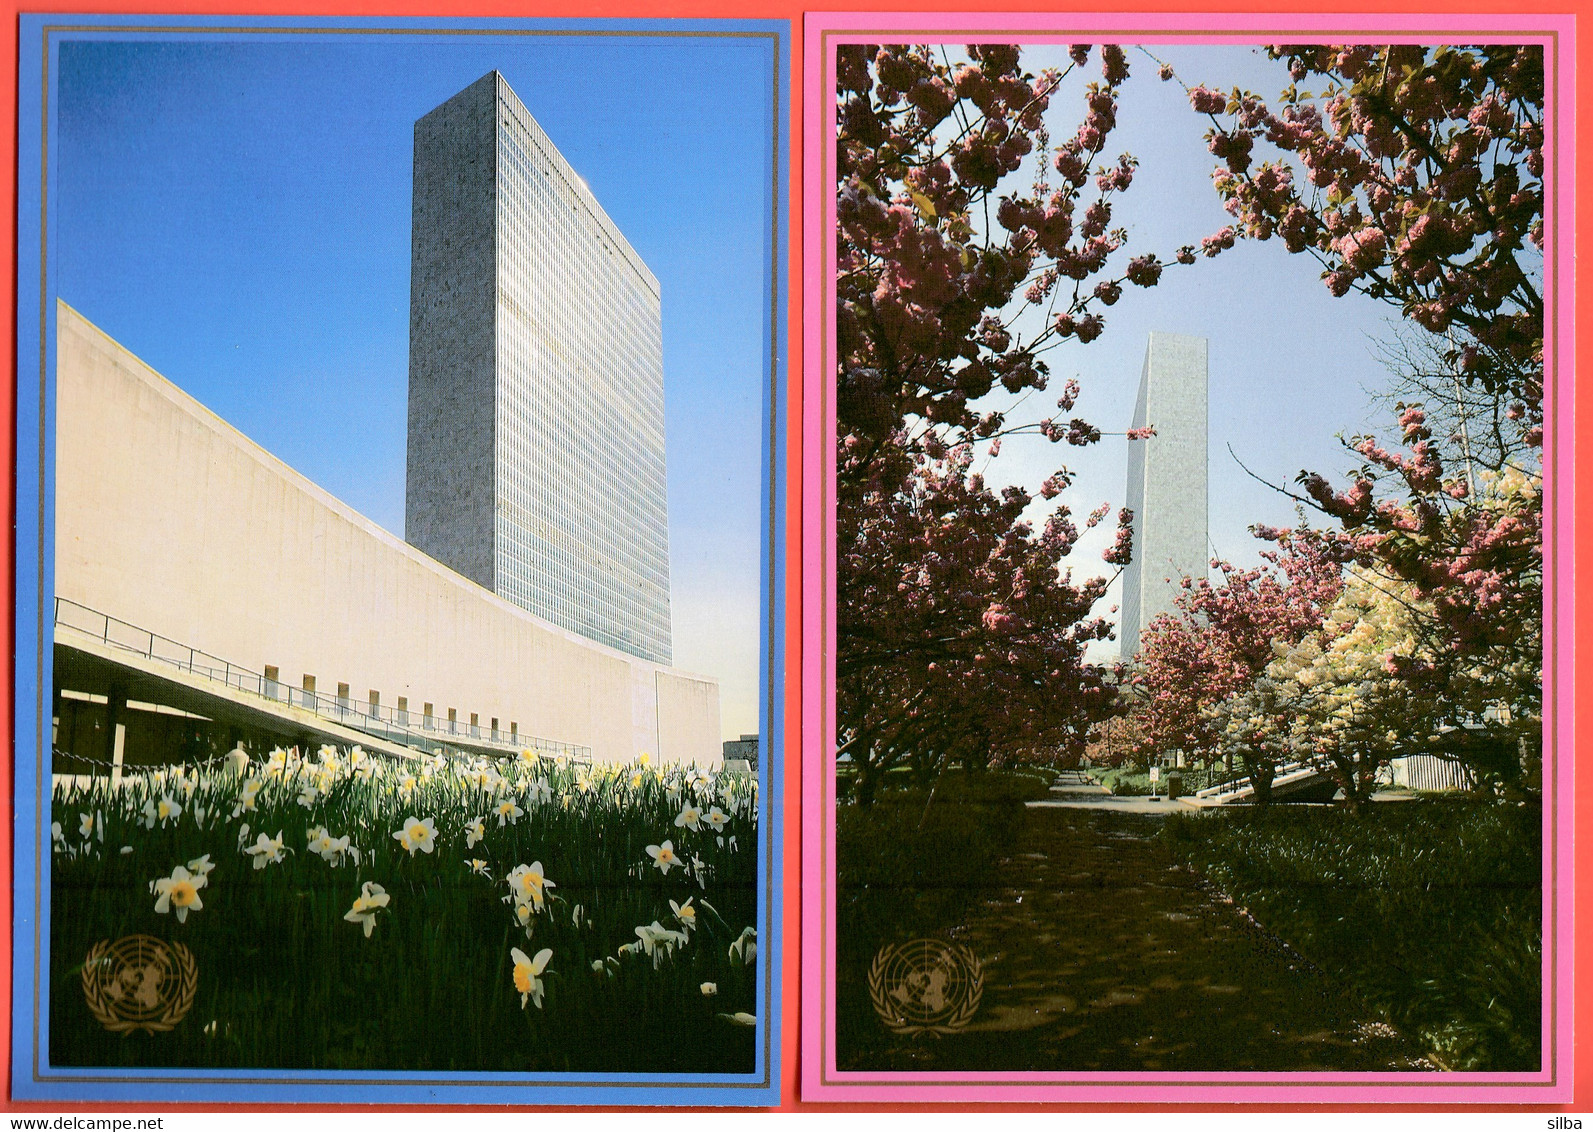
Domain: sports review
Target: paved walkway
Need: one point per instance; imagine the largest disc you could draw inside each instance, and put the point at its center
(1076, 792)
(1099, 955)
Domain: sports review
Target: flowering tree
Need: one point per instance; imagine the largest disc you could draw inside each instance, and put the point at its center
(1415, 175)
(1220, 639)
(958, 635)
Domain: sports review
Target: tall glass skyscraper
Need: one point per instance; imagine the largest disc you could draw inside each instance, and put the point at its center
(536, 388)
(1166, 484)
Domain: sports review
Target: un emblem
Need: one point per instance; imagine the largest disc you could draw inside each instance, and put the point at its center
(925, 987)
(139, 983)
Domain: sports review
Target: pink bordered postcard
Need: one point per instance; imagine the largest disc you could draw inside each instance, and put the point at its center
(1186, 687)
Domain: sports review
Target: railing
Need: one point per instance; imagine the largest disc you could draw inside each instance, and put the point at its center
(1242, 783)
(383, 722)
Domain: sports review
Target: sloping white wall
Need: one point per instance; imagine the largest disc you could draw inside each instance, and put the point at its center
(169, 518)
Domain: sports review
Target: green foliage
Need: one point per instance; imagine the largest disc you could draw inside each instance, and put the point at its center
(287, 981)
(1431, 910)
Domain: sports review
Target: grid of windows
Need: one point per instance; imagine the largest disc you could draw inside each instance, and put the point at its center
(580, 523)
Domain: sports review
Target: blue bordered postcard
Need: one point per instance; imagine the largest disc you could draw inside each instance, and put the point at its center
(399, 560)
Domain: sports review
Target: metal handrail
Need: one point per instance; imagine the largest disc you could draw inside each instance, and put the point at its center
(384, 722)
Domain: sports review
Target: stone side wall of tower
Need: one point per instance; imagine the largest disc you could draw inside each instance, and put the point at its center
(1166, 483)
(449, 506)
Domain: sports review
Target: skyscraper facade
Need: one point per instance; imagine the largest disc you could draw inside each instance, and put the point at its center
(535, 459)
(1166, 483)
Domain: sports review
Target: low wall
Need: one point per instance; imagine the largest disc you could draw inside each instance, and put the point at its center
(169, 518)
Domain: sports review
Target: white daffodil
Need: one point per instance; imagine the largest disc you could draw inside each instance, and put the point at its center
(246, 798)
(417, 834)
(527, 883)
(689, 818)
(266, 850)
(125, 850)
(475, 831)
(523, 914)
(85, 826)
(371, 900)
(507, 811)
(309, 795)
(166, 810)
(709, 989)
(740, 1018)
(598, 966)
(538, 792)
(716, 818)
(179, 891)
(700, 871)
(685, 915)
(664, 856)
(201, 866)
(528, 974)
(243, 836)
(479, 867)
(745, 949)
(577, 916)
(319, 840)
(57, 835)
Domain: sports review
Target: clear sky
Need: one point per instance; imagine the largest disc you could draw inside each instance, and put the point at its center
(1290, 366)
(237, 215)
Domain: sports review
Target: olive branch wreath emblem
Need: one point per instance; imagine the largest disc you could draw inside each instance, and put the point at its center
(889, 1006)
(139, 983)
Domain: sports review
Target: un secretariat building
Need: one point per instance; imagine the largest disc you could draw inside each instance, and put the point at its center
(536, 388)
(527, 604)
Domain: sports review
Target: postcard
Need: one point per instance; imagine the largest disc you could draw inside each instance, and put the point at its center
(1188, 418)
(399, 560)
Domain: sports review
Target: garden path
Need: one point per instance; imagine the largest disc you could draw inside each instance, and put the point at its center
(1098, 956)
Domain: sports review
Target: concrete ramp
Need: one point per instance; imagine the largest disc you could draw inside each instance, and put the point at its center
(1304, 780)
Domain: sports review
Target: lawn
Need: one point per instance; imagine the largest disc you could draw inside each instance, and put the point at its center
(1430, 910)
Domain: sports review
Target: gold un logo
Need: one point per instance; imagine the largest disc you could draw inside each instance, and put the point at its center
(139, 983)
(925, 987)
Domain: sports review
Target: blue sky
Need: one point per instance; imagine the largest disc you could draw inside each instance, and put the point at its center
(237, 214)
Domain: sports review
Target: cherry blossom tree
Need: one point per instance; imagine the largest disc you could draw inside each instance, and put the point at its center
(1415, 176)
(1219, 639)
(960, 635)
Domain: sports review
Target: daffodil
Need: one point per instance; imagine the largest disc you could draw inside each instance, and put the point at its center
(266, 850)
(685, 914)
(308, 796)
(740, 1018)
(663, 856)
(417, 834)
(507, 811)
(716, 818)
(522, 916)
(85, 825)
(57, 835)
(164, 811)
(527, 884)
(179, 891)
(201, 866)
(475, 831)
(372, 899)
(528, 974)
(479, 867)
(688, 818)
(745, 949)
(709, 989)
(538, 792)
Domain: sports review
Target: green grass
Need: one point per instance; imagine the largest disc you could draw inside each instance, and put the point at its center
(287, 982)
(911, 866)
(1430, 910)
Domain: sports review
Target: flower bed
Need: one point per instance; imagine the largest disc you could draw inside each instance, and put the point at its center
(349, 912)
